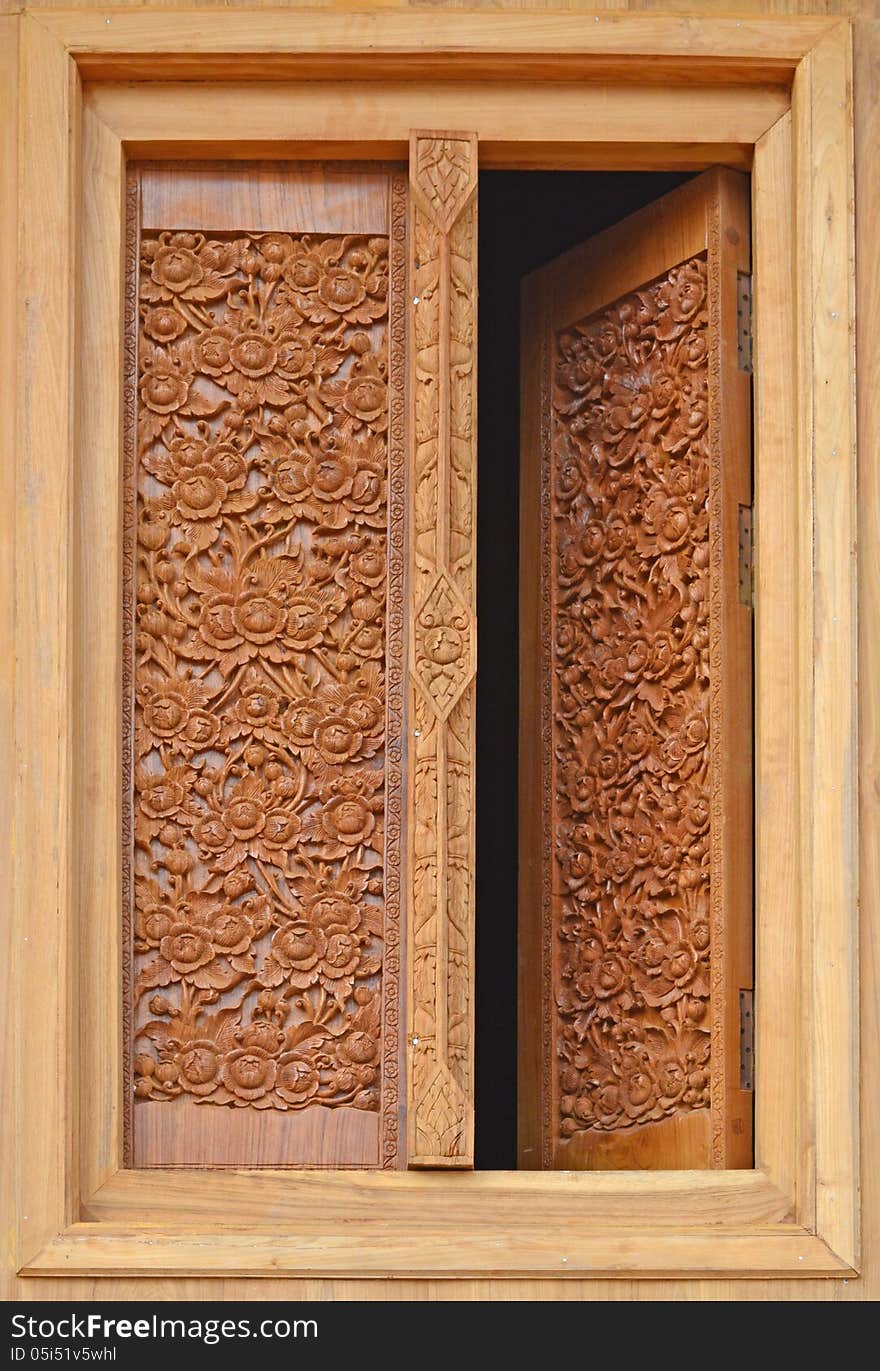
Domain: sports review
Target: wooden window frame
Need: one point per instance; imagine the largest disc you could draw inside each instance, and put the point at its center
(552, 90)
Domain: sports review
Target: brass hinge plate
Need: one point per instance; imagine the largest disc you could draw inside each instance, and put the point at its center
(746, 1040)
(744, 321)
(746, 556)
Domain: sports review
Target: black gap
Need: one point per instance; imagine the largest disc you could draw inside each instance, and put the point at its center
(525, 219)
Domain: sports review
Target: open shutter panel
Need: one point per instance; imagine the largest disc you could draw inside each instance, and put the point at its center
(442, 599)
(635, 819)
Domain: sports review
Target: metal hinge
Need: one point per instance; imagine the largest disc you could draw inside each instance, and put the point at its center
(746, 1040)
(746, 556)
(744, 321)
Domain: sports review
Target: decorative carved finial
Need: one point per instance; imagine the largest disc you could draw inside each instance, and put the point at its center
(444, 173)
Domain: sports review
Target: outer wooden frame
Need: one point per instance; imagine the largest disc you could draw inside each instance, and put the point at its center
(796, 1213)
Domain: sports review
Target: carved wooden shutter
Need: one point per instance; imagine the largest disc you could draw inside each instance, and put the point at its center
(635, 873)
(443, 228)
(264, 646)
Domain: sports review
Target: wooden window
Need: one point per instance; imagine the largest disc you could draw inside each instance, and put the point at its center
(85, 107)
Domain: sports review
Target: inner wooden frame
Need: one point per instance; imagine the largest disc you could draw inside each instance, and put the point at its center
(566, 90)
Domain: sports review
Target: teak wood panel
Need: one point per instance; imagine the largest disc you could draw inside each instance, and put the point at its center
(263, 664)
(442, 718)
(67, 1162)
(635, 817)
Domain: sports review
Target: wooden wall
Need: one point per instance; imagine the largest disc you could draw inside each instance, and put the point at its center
(867, 106)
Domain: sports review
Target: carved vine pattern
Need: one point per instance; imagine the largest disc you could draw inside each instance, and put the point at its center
(264, 599)
(630, 772)
(443, 491)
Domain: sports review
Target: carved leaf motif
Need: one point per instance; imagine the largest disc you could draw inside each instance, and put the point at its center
(629, 558)
(444, 174)
(260, 622)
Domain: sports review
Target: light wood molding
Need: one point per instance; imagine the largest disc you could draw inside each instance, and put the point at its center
(782, 1040)
(9, 380)
(719, 48)
(62, 1156)
(442, 479)
(866, 81)
(516, 123)
(825, 309)
(48, 1091)
(441, 1253)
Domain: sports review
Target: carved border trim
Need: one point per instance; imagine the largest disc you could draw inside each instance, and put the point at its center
(717, 766)
(395, 683)
(442, 600)
(129, 525)
(548, 1016)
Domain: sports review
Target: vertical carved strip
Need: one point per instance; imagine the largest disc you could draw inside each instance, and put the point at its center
(395, 684)
(443, 171)
(129, 534)
(548, 1024)
(716, 788)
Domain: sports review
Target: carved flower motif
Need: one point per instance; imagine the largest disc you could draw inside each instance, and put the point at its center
(606, 977)
(295, 955)
(342, 724)
(248, 1073)
(259, 362)
(338, 281)
(263, 610)
(363, 394)
(164, 323)
(367, 567)
(202, 939)
(297, 1080)
(199, 1065)
(185, 266)
(176, 709)
(254, 817)
(667, 963)
(358, 1049)
(205, 481)
(684, 296)
(162, 795)
(668, 521)
(303, 953)
(163, 386)
(154, 915)
(350, 813)
(257, 710)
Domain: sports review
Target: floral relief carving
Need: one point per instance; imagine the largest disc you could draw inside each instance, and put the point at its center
(259, 612)
(629, 553)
